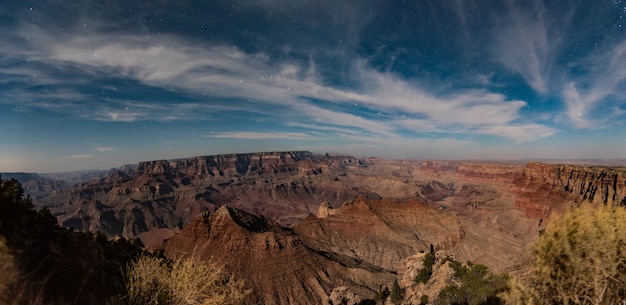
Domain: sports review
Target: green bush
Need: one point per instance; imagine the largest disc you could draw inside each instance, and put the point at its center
(397, 293)
(424, 274)
(382, 294)
(478, 286)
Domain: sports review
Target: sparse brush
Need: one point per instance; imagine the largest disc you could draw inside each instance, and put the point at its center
(153, 280)
(580, 259)
(8, 272)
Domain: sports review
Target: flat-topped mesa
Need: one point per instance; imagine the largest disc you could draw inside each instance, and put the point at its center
(230, 164)
(546, 187)
(493, 172)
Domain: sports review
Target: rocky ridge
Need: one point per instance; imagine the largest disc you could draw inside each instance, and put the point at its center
(381, 232)
(274, 262)
(140, 200)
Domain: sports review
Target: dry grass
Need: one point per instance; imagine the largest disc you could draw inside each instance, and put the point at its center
(8, 273)
(153, 280)
(581, 259)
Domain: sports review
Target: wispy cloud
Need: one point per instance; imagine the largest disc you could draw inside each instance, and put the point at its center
(103, 148)
(525, 44)
(385, 104)
(251, 135)
(600, 90)
(80, 156)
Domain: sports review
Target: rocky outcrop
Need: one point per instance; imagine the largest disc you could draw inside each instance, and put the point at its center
(325, 210)
(381, 232)
(442, 276)
(274, 262)
(343, 296)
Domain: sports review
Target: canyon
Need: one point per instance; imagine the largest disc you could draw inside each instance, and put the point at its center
(300, 227)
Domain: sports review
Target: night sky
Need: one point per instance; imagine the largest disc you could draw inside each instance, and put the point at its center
(98, 84)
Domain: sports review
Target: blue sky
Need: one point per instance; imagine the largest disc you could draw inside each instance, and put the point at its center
(98, 84)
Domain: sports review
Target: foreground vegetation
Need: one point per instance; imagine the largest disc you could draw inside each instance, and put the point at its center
(471, 284)
(152, 280)
(52, 265)
(580, 259)
(42, 263)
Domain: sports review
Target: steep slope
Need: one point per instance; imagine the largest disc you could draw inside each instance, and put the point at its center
(381, 232)
(274, 262)
(357, 247)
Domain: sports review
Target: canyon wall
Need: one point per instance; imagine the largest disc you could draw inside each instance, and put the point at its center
(544, 188)
(155, 198)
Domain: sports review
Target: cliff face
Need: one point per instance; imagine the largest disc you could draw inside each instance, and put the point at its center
(228, 165)
(36, 185)
(543, 188)
(490, 173)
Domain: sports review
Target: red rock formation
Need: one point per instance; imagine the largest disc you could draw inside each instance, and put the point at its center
(543, 188)
(167, 194)
(158, 196)
(273, 261)
(381, 232)
(491, 173)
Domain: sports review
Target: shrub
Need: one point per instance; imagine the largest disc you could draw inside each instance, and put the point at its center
(580, 259)
(397, 293)
(382, 294)
(424, 274)
(155, 280)
(478, 286)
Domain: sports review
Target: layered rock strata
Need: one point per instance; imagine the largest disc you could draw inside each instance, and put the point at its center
(274, 262)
